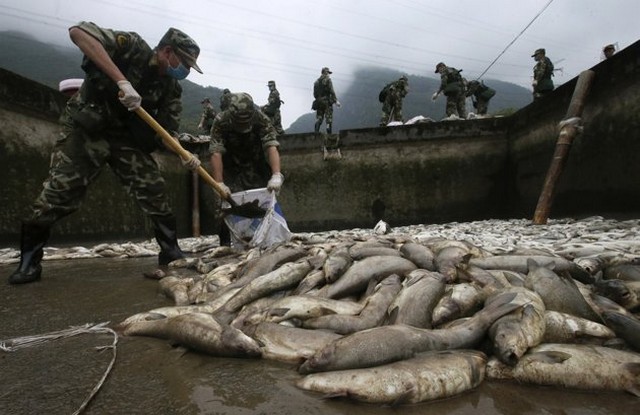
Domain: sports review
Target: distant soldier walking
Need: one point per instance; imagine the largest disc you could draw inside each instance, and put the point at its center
(391, 97)
(452, 85)
(480, 95)
(324, 98)
(542, 73)
(272, 108)
(208, 114)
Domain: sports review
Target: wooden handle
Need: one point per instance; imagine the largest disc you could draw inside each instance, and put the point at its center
(173, 144)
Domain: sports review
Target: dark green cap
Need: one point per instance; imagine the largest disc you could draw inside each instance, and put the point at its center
(183, 45)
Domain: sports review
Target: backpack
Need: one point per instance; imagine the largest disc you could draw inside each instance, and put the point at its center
(382, 96)
(454, 75)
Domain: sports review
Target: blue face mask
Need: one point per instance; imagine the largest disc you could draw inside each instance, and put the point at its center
(178, 73)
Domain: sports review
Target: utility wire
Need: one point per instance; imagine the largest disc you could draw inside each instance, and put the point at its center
(516, 38)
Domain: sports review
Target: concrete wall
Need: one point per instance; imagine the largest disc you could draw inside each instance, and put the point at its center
(424, 173)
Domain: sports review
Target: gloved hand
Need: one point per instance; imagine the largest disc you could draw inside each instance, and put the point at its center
(193, 163)
(275, 183)
(225, 190)
(130, 97)
(435, 96)
(534, 83)
(338, 104)
(200, 126)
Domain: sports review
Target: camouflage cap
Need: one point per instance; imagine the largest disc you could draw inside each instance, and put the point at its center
(404, 78)
(541, 50)
(185, 47)
(271, 83)
(241, 108)
(325, 70)
(206, 99)
(609, 47)
(226, 91)
(440, 64)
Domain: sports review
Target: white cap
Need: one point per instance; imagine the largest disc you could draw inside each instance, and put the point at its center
(72, 83)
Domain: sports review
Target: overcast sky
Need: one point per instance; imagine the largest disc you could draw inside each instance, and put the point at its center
(246, 43)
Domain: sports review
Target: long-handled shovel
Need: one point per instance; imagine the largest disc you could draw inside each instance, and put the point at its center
(247, 210)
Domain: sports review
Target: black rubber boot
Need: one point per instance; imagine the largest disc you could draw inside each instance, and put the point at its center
(329, 129)
(32, 242)
(316, 127)
(224, 234)
(166, 235)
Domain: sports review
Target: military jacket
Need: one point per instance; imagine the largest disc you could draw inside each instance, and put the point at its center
(273, 103)
(98, 96)
(323, 89)
(225, 139)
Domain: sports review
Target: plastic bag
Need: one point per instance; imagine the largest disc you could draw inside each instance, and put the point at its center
(258, 232)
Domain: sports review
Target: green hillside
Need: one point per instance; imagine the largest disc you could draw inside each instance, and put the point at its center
(48, 64)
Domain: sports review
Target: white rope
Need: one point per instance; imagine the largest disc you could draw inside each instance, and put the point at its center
(12, 345)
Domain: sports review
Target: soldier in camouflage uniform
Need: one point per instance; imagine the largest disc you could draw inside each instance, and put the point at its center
(324, 98)
(244, 151)
(452, 85)
(542, 73)
(392, 105)
(224, 99)
(480, 95)
(272, 108)
(99, 126)
(208, 114)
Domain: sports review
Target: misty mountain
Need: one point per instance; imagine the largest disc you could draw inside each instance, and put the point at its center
(48, 64)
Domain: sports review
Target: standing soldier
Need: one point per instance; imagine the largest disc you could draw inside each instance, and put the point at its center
(542, 73)
(272, 108)
(325, 97)
(99, 127)
(608, 51)
(224, 99)
(480, 95)
(244, 151)
(391, 97)
(452, 85)
(208, 114)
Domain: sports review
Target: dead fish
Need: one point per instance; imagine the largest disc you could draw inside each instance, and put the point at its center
(519, 263)
(253, 313)
(447, 260)
(419, 254)
(176, 288)
(268, 261)
(565, 328)
(480, 276)
(559, 292)
(284, 277)
(307, 307)
(573, 366)
(414, 304)
(627, 327)
(593, 265)
(625, 272)
(386, 344)
(313, 280)
(625, 293)
(197, 331)
(426, 377)
(363, 250)
(373, 312)
(336, 264)
(288, 344)
(374, 268)
(459, 300)
(515, 333)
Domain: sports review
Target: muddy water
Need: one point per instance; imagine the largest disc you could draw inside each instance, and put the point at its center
(152, 377)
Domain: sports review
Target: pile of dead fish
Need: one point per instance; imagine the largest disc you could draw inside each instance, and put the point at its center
(422, 312)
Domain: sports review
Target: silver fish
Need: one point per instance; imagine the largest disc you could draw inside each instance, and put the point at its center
(414, 304)
(426, 377)
(419, 254)
(374, 268)
(573, 366)
(386, 344)
(459, 300)
(565, 328)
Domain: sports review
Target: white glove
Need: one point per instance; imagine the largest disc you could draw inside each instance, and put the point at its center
(275, 183)
(130, 97)
(200, 126)
(435, 96)
(534, 83)
(225, 189)
(338, 104)
(193, 163)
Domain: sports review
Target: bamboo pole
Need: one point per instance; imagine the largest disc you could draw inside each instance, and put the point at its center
(569, 129)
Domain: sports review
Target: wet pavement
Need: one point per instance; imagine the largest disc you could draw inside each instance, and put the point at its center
(152, 377)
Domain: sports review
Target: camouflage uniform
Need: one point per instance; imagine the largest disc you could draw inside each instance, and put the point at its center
(97, 129)
(452, 86)
(542, 73)
(242, 144)
(272, 109)
(324, 98)
(224, 99)
(208, 114)
(481, 94)
(392, 105)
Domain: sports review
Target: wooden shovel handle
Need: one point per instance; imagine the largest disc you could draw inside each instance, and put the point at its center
(173, 144)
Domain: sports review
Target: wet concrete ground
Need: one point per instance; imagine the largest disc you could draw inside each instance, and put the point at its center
(152, 377)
